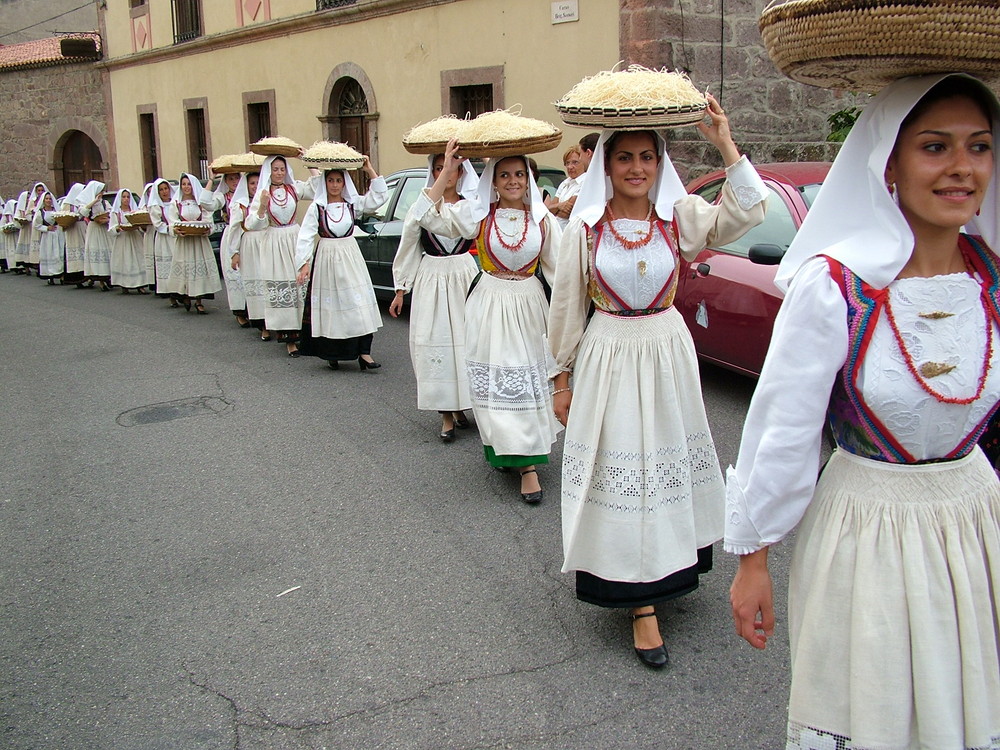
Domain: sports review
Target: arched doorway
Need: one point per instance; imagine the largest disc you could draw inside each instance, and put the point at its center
(348, 121)
(81, 160)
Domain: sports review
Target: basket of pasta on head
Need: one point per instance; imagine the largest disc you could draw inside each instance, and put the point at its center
(276, 146)
(863, 45)
(496, 134)
(636, 98)
(332, 155)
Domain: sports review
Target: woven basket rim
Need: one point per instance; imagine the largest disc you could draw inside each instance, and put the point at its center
(816, 41)
(67, 220)
(22, 221)
(804, 8)
(621, 120)
(196, 229)
(274, 150)
(334, 163)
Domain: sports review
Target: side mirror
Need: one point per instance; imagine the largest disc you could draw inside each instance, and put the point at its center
(766, 254)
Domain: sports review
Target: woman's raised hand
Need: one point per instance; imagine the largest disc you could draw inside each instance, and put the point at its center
(265, 197)
(717, 131)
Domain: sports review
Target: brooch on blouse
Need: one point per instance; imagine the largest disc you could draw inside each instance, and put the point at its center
(936, 315)
(933, 369)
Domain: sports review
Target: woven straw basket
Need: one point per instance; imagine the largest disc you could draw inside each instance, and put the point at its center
(191, 229)
(65, 220)
(630, 118)
(274, 149)
(138, 218)
(862, 45)
(492, 150)
(10, 228)
(22, 221)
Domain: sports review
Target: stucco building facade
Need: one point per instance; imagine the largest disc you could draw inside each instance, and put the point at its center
(190, 79)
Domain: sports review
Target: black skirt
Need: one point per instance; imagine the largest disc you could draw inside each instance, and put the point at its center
(594, 590)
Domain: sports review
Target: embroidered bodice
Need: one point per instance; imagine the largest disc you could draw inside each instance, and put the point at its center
(508, 223)
(641, 279)
(189, 210)
(878, 408)
(438, 245)
(281, 205)
(335, 220)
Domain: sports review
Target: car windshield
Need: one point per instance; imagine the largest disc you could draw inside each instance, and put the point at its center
(809, 193)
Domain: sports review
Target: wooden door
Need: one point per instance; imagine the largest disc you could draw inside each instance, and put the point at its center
(353, 132)
(81, 160)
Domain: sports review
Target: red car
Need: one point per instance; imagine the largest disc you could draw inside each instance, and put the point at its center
(727, 294)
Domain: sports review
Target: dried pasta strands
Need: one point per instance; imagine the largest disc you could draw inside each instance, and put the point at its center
(634, 88)
(504, 125)
(332, 151)
(276, 140)
(436, 130)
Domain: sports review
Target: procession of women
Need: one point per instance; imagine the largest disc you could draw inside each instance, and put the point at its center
(534, 321)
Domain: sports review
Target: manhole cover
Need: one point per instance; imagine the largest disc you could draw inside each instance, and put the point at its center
(171, 410)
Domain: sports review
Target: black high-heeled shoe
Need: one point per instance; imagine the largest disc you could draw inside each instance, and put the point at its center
(366, 365)
(461, 421)
(657, 657)
(333, 364)
(531, 498)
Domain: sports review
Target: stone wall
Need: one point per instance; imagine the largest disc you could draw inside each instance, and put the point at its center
(719, 44)
(40, 107)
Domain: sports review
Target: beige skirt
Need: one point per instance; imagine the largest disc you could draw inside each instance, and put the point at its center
(508, 360)
(163, 255)
(641, 486)
(193, 271)
(893, 603)
(437, 331)
(342, 301)
(128, 260)
(97, 252)
(284, 297)
(75, 238)
(253, 286)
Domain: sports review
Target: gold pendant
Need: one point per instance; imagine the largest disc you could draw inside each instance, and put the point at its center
(641, 265)
(933, 369)
(937, 315)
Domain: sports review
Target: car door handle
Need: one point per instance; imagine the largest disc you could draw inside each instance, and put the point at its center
(702, 269)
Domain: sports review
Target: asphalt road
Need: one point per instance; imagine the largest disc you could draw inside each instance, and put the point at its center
(208, 544)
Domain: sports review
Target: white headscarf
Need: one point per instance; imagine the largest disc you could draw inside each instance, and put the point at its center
(33, 202)
(468, 180)
(70, 201)
(485, 192)
(144, 196)
(854, 219)
(264, 183)
(22, 203)
(116, 210)
(8, 210)
(40, 203)
(154, 194)
(90, 194)
(197, 189)
(597, 190)
(241, 196)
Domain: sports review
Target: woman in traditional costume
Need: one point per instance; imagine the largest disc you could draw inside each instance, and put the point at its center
(9, 237)
(97, 243)
(194, 274)
(642, 492)
(74, 236)
(507, 354)
(243, 247)
(128, 260)
(273, 211)
(438, 271)
(23, 243)
(343, 313)
(52, 243)
(228, 246)
(35, 197)
(161, 196)
(886, 334)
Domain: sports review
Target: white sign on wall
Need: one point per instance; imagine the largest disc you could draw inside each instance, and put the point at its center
(564, 11)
